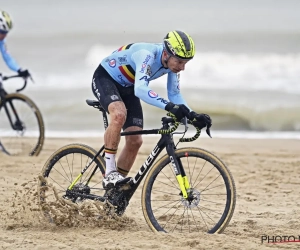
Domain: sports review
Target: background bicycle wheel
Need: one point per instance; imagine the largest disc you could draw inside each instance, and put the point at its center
(28, 137)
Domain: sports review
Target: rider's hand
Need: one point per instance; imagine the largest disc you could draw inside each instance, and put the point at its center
(178, 110)
(24, 73)
(200, 120)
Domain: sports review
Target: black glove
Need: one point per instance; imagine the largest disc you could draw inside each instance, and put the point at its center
(24, 73)
(200, 120)
(178, 110)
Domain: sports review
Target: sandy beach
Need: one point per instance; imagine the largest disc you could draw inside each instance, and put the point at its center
(266, 174)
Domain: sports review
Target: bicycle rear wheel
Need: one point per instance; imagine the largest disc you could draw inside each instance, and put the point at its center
(23, 136)
(210, 204)
(61, 169)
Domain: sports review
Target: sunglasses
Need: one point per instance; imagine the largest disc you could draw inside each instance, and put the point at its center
(3, 32)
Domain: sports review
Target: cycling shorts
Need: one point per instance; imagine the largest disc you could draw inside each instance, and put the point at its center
(107, 91)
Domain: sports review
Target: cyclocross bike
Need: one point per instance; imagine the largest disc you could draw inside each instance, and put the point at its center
(186, 190)
(21, 123)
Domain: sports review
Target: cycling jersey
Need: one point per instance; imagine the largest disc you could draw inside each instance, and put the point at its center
(10, 62)
(139, 63)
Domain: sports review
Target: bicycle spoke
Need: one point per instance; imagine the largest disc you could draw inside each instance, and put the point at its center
(209, 183)
(199, 172)
(213, 202)
(204, 176)
(210, 210)
(174, 185)
(69, 168)
(194, 220)
(164, 192)
(67, 176)
(165, 205)
(206, 189)
(179, 221)
(213, 194)
(199, 210)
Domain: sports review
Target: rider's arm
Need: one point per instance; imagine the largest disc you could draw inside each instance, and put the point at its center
(10, 62)
(174, 94)
(143, 59)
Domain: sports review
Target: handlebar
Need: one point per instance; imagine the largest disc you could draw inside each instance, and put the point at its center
(175, 124)
(4, 78)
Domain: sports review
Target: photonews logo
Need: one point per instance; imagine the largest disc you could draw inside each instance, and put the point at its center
(274, 239)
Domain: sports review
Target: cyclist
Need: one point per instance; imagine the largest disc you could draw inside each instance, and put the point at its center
(5, 26)
(122, 79)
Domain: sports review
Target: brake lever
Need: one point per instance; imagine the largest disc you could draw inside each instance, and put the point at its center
(208, 131)
(184, 122)
(31, 78)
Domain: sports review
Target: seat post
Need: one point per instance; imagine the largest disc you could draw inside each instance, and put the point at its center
(104, 116)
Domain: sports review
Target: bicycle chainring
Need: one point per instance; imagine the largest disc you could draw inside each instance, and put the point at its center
(117, 199)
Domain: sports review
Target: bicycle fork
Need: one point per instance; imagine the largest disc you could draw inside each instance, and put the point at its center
(179, 171)
(17, 125)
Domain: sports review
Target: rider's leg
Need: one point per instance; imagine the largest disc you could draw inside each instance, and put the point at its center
(105, 89)
(117, 113)
(130, 151)
(134, 122)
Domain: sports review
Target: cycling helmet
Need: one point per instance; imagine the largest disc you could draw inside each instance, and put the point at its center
(180, 45)
(5, 22)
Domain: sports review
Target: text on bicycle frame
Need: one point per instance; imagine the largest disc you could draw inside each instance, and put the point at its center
(147, 163)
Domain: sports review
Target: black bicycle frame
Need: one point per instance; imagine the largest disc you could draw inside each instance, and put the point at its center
(166, 141)
(3, 94)
(4, 102)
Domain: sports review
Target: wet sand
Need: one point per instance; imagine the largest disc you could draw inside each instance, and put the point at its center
(266, 174)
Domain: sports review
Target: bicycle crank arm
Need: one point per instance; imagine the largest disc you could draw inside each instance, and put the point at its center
(71, 194)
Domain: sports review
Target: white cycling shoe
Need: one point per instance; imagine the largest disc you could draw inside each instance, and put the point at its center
(113, 179)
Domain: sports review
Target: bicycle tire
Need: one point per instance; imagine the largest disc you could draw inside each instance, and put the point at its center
(34, 148)
(158, 222)
(48, 176)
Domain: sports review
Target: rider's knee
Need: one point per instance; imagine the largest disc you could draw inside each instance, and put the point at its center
(118, 118)
(117, 113)
(134, 141)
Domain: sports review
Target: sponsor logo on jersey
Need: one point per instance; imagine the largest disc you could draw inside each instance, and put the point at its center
(122, 59)
(148, 71)
(152, 94)
(112, 63)
(145, 78)
(121, 79)
(162, 100)
(114, 97)
(96, 90)
(144, 64)
(137, 121)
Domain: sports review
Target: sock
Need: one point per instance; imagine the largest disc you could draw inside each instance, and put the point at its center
(110, 155)
(123, 171)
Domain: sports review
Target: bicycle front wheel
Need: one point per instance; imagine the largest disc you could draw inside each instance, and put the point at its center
(62, 168)
(211, 196)
(21, 126)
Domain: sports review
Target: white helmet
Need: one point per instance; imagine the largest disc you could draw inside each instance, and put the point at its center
(5, 22)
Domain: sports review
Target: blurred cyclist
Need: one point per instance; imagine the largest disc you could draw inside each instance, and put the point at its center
(122, 79)
(5, 26)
